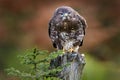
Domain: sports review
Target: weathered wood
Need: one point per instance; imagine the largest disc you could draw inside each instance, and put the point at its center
(73, 71)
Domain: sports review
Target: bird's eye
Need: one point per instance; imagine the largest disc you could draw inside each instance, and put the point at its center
(60, 13)
(69, 12)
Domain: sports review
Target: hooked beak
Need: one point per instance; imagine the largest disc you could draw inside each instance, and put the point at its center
(65, 16)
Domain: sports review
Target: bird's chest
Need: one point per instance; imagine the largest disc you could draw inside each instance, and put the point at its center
(67, 30)
(68, 27)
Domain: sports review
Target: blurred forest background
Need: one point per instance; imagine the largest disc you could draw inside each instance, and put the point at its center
(24, 24)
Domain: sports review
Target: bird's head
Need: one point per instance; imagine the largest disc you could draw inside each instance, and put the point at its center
(65, 13)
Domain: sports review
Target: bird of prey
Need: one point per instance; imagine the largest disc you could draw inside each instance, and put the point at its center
(67, 29)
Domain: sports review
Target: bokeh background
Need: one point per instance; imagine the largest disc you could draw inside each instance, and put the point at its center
(24, 24)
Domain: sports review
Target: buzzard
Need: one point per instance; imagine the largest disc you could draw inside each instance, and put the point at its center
(67, 29)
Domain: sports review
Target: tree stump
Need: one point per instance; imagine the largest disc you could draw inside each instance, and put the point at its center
(73, 70)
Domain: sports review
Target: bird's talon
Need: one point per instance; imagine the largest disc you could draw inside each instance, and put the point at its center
(71, 50)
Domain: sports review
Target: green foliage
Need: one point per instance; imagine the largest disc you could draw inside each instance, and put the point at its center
(38, 67)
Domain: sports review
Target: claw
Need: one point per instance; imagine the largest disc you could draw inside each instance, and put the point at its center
(71, 50)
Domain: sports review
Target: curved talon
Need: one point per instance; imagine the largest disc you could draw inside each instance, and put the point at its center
(71, 50)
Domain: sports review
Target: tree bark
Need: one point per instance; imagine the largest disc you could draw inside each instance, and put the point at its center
(73, 71)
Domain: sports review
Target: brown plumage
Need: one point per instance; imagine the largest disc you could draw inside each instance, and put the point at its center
(67, 29)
